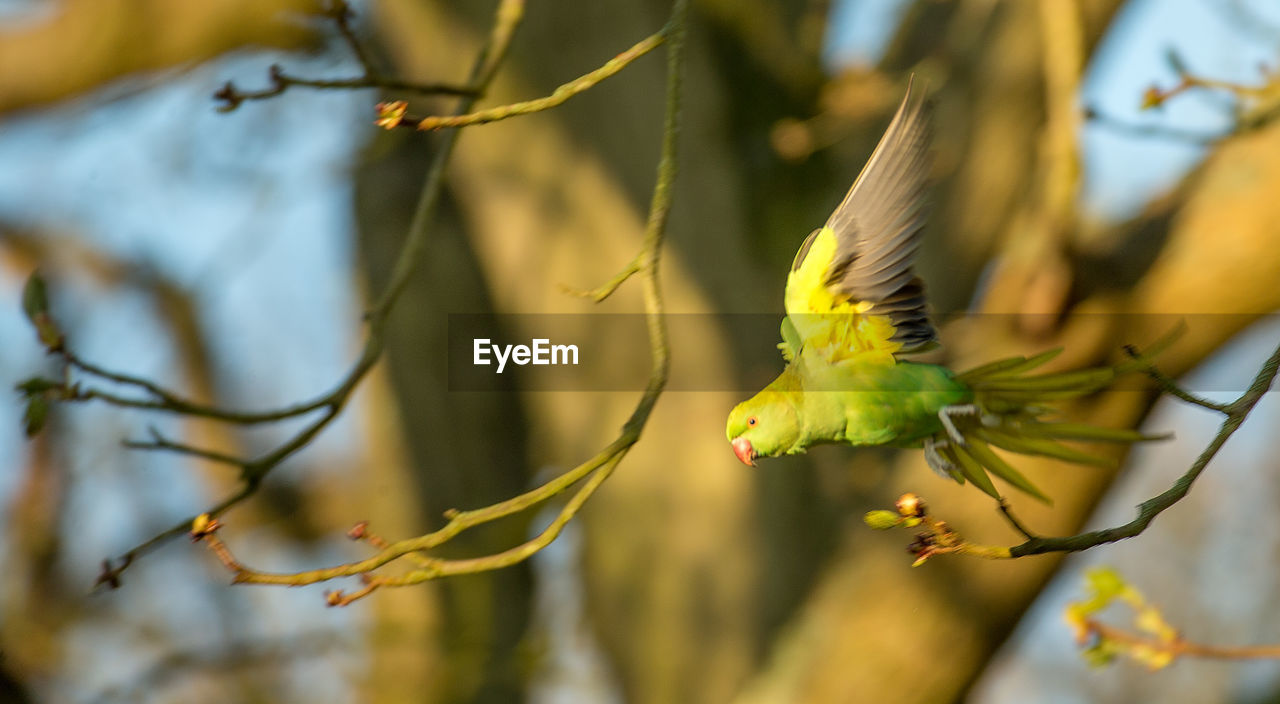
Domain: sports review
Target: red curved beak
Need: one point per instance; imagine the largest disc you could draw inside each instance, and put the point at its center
(745, 452)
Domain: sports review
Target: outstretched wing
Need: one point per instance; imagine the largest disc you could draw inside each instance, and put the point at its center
(861, 260)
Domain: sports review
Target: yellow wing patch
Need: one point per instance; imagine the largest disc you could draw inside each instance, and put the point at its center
(830, 323)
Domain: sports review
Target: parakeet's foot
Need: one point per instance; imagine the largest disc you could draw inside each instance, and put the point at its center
(946, 414)
(939, 464)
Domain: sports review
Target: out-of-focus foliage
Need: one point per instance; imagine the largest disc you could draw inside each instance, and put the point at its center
(1105, 586)
(697, 580)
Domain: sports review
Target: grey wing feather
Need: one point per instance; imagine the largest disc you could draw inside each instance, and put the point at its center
(878, 224)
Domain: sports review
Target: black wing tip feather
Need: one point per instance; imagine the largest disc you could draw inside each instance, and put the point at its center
(878, 225)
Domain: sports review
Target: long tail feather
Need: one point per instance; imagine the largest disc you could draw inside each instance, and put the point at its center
(1041, 446)
(1011, 403)
(1087, 433)
(972, 471)
(1012, 365)
(993, 462)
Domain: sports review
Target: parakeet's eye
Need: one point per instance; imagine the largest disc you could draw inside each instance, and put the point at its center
(751, 421)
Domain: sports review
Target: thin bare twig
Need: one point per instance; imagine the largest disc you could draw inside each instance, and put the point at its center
(603, 291)
(281, 82)
(159, 442)
(1101, 118)
(595, 470)
(1236, 413)
(939, 538)
(507, 17)
(557, 97)
(1151, 640)
(1171, 387)
(168, 401)
(1181, 646)
(341, 14)
(1018, 525)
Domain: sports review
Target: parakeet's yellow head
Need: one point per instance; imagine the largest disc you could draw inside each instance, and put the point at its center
(764, 426)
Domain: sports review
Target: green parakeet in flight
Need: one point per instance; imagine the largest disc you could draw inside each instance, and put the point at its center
(855, 308)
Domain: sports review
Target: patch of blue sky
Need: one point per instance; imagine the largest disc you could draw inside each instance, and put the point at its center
(1224, 39)
(1199, 561)
(859, 31)
(1123, 171)
(309, 652)
(249, 211)
(18, 13)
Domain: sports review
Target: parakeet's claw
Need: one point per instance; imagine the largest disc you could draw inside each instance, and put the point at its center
(947, 413)
(936, 461)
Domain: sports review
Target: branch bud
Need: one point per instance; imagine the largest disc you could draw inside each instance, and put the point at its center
(391, 114)
(910, 506)
(36, 415)
(881, 520)
(203, 526)
(35, 303)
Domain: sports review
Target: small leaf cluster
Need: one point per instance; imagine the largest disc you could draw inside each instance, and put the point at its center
(1106, 586)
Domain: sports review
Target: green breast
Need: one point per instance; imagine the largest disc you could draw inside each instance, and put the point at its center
(874, 404)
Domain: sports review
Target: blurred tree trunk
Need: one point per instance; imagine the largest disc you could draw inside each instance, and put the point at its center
(75, 46)
(560, 198)
(707, 581)
(467, 450)
(685, 618)
(408, 658)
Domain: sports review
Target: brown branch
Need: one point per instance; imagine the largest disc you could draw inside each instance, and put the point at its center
(556, 98)
(1151, 640)
(1179, 646)
(594, 471)
(281, 82)
(1103, 119)
(603, 291)
(1236, 413)
(1171, 387)
(429, 568)
(168, 401)
(939, 538)
(159, 442)
(341, 14)
(1261, 98)
(507, 17)
(1018, 525)
(1155, 96)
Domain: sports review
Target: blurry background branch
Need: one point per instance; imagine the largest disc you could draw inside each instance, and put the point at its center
(1235, 413)
(1152, 641)
(80, 44)
(40, 391)
(371, 77)
(254, 470)
(693, 580)
(557, 97)
(594, 471)
(1154, 131)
